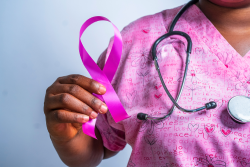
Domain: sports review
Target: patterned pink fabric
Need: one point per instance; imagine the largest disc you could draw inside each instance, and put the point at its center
(216, 72)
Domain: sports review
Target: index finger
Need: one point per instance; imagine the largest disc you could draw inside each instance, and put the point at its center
(88, 84)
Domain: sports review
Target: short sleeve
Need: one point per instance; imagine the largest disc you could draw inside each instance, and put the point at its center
(113, 139)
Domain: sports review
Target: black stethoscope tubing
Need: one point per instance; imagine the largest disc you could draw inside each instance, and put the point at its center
(210, 105)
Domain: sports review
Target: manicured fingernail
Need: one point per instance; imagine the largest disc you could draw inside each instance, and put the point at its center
(103, 109)
(102, 89)
(93, 115)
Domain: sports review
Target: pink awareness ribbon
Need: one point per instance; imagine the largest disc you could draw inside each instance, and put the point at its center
(104, 76)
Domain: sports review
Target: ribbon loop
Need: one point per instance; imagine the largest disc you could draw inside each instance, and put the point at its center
(104, 76)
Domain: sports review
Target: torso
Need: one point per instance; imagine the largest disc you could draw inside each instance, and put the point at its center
(216, 72)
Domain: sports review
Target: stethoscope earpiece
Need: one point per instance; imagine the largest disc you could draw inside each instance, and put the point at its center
(142, 116)
(211, 105)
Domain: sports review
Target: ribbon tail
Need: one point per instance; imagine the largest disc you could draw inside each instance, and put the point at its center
(114, 104)
(89, 128)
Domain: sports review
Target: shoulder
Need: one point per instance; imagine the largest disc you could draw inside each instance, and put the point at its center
(146, 24)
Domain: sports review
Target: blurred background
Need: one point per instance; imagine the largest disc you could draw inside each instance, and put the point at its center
(38, 43)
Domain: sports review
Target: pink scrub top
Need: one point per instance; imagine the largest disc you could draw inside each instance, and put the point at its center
(216, 73)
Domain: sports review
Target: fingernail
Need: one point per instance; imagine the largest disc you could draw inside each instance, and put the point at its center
(85, 119)
(93, 115)
(102, 89)
(103, 109)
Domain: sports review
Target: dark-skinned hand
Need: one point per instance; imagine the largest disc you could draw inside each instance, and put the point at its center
(69, 103)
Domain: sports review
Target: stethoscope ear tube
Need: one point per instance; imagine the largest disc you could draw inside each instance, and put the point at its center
(210, 105)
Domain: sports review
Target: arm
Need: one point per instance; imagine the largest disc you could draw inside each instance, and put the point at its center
(82, 150)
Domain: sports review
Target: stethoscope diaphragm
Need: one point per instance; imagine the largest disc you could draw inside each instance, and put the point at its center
(239, 108)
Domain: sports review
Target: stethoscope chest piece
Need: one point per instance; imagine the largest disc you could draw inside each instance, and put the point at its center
(239, 108)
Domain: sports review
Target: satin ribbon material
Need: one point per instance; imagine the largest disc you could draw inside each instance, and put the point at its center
(104, 76)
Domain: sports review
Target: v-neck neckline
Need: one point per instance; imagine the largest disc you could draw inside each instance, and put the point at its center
(211, 37)
(217, 33)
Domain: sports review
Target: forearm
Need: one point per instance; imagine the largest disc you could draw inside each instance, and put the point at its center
(81, 151)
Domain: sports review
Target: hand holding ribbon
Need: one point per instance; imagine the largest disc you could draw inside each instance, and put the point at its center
(104, 76)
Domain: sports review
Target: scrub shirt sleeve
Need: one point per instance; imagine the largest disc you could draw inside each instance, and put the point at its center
(113, 139)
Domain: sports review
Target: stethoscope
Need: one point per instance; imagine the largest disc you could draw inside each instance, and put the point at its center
(239, 112)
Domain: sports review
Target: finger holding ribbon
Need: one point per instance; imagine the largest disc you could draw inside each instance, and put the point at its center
(104, 76)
